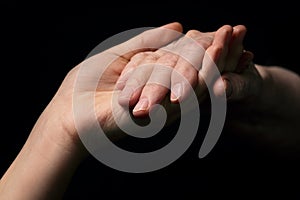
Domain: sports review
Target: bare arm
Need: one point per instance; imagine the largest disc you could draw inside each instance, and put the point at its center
(43, 167)
(53, 149)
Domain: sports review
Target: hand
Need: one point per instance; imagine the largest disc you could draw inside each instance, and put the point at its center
(263, 106)
(53, 149)
(145, 81)
(121, 55)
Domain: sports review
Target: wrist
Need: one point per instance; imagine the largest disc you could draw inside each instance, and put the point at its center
(48, 160)
(55, 127)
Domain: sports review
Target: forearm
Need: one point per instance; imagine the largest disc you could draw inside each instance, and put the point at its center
(43, 167)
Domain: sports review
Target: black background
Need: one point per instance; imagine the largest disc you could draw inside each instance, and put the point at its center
(40, 43)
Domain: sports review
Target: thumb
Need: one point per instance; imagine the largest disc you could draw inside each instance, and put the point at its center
(176, 26)
(153, 38)
(238, 86)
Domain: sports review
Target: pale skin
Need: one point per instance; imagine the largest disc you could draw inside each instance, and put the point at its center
(53, 149)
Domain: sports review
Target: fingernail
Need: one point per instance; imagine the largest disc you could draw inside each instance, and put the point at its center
(142, 105)
(228, 88)
(176, 92)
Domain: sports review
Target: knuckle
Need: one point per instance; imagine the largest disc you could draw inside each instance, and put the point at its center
(202, 39)
(240, 28)
(152, 87)
(226, 29)
(152, 56)
(140, 55)
(168, 59)
(135, 82)
(184, 74)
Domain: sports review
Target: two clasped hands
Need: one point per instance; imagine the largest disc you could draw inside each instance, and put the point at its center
(263, 101)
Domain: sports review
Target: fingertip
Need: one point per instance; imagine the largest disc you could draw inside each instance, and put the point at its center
(174, 98)
(176, 93)
(141, 109)
(140, 114)
(174, 26)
